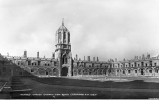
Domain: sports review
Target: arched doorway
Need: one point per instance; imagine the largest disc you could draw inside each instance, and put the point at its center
(64, 71)
(48, 71)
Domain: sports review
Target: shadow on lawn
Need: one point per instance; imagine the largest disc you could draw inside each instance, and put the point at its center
(106, 90)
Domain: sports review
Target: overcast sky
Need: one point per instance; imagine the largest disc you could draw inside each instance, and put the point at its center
(104, 28)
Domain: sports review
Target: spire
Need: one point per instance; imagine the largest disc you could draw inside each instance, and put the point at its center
(62, 21)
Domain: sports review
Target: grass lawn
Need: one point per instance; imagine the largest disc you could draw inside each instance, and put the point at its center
(68, 88)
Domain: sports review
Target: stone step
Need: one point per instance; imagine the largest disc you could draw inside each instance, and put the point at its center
(7, 89)
(22, 90)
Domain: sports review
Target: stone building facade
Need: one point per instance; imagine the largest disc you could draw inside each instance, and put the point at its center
(62, 63)
(143, 66)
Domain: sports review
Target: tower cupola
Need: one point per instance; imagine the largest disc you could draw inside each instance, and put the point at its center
(62, 35)
(62, 39)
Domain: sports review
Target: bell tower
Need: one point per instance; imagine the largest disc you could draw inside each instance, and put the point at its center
(63, 51)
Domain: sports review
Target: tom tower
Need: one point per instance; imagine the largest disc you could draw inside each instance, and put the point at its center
(63, 51)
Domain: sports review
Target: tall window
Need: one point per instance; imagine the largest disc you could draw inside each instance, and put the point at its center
(142, 63)
(68, 37)
(64, 60)
(55, 63)
(135, 64)
(38, 62)
(64, 37)
(59, 37)
(123, 72)
(29, 62)
(150, 63)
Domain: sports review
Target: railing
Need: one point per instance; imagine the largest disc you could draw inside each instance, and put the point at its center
(3, 86)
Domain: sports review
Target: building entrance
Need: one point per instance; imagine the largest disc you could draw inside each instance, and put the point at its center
(64, 71)
(47, 73)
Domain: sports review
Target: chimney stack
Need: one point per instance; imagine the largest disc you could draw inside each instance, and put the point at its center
(38, 54)
(53, 55)
(88, 58)
(148, 56)
(97, 59)
(25, 53)
(115, 59)
(136, 57)
(143, 56)
(94, 59)
(76, 57)
(84, 58)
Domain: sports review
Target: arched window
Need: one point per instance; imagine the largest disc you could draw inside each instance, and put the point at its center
(123, 72)
(142, 63)
(64, 37)
(59, 37)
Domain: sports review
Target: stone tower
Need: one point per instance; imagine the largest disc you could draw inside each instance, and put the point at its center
(63, 51)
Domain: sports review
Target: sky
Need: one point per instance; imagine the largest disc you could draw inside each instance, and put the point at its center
(98, 28)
